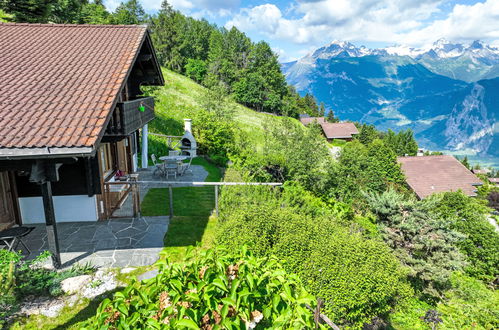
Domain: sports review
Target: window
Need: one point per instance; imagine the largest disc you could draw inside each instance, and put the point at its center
(106, 159)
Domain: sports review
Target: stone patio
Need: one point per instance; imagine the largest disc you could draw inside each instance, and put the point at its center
(114, 243)
(119, 242)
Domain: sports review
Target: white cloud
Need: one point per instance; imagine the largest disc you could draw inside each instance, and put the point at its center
(387, 21)
(464, 23)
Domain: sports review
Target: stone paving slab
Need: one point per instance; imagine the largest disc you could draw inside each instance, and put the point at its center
(113, 243)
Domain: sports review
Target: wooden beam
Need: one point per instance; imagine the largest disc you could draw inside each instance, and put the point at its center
(50, 222)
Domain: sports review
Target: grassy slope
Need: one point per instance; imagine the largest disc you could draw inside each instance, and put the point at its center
(181, 97)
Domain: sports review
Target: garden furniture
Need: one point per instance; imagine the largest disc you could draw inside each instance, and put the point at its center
(171, 167)
(159, 166)
(173, 153)
(13, 236)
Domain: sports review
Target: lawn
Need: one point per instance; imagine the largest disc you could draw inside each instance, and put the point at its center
(193, 224)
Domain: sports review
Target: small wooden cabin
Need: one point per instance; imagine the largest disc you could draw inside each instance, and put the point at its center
(72, 108)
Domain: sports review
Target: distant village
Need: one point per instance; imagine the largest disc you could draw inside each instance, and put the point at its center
(425, 173)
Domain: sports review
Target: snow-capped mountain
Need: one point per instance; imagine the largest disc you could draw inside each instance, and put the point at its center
(467, 62)
(438, 91)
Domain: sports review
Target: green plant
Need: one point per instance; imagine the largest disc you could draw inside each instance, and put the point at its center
(469, 217)
(426, 243)
(357, 278)
(95, 284)
(469, 304)
(214, 290)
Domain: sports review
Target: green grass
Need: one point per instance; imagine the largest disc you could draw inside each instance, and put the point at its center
(337, 143)
(187, 201)
(181, 98)
(192, 224)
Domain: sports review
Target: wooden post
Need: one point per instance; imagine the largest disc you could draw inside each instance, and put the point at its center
(170, 191)
(48, 207)
(216, 200)
(134, 200)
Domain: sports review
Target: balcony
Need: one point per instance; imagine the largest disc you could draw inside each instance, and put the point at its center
(129, 116)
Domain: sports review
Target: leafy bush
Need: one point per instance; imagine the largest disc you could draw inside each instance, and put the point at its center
(20, 278)
(217, 289)
(196, 69)
(469, 305)
(8, 260)
(214, 137)
(358, 278)
(426, 243)
(469, 217)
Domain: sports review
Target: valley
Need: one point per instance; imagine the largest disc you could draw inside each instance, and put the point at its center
(398, 89)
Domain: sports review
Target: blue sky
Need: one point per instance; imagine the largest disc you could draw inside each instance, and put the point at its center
(294, 28)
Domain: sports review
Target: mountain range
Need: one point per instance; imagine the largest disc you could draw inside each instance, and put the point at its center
(447, 93)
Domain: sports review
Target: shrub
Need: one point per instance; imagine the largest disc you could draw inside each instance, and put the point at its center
(469, 217)
(196, 69)
(358, 278)
(426, 243)
(232, 290)
(469, 305)
(214, 137)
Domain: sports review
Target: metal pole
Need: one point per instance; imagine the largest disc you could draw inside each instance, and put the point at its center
(48, 207)
(170, 190)
(145, 157)
(216, 200)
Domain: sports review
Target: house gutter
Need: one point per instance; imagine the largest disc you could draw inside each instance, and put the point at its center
(45, 153)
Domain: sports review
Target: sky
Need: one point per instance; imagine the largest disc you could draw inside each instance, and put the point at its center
(294, 28)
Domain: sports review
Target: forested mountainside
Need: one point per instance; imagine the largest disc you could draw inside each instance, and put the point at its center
(398, 92)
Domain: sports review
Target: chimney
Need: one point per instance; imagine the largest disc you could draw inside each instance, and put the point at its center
(188, 125)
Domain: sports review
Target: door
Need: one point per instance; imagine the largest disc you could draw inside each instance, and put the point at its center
(7, 216)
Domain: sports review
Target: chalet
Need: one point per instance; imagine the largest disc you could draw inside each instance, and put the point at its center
(494, 181)
(342, 131)
(72, 108)
(426, 175)
(309, 120)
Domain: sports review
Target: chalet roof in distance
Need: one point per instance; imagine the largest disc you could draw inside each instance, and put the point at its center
(59, 83)
(339, 130)
(433, 174)
(308, 120)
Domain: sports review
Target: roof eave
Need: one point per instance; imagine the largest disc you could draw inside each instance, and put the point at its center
(45, 153)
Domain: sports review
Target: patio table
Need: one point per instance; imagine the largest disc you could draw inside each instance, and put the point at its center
(177, 158)
(12, 237)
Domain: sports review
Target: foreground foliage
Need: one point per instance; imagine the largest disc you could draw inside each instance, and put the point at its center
(357, 278)
(216, 289)
(19, 279)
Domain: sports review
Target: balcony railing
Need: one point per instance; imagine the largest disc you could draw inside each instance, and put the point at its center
(129, 116)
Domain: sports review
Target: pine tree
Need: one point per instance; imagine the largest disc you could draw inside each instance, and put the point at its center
(465, 162)
(331, 118)
(322, 110)
(129, 13)
(29, 11)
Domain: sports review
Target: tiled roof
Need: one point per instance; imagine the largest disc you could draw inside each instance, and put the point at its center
(339, 130)
(433, 174)
(308, 120)
(494, 180)
(59, 83)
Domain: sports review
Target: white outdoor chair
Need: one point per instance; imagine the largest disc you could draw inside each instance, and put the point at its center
(171, 168)
(173, 153)
(159, 166)
(186, 167)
